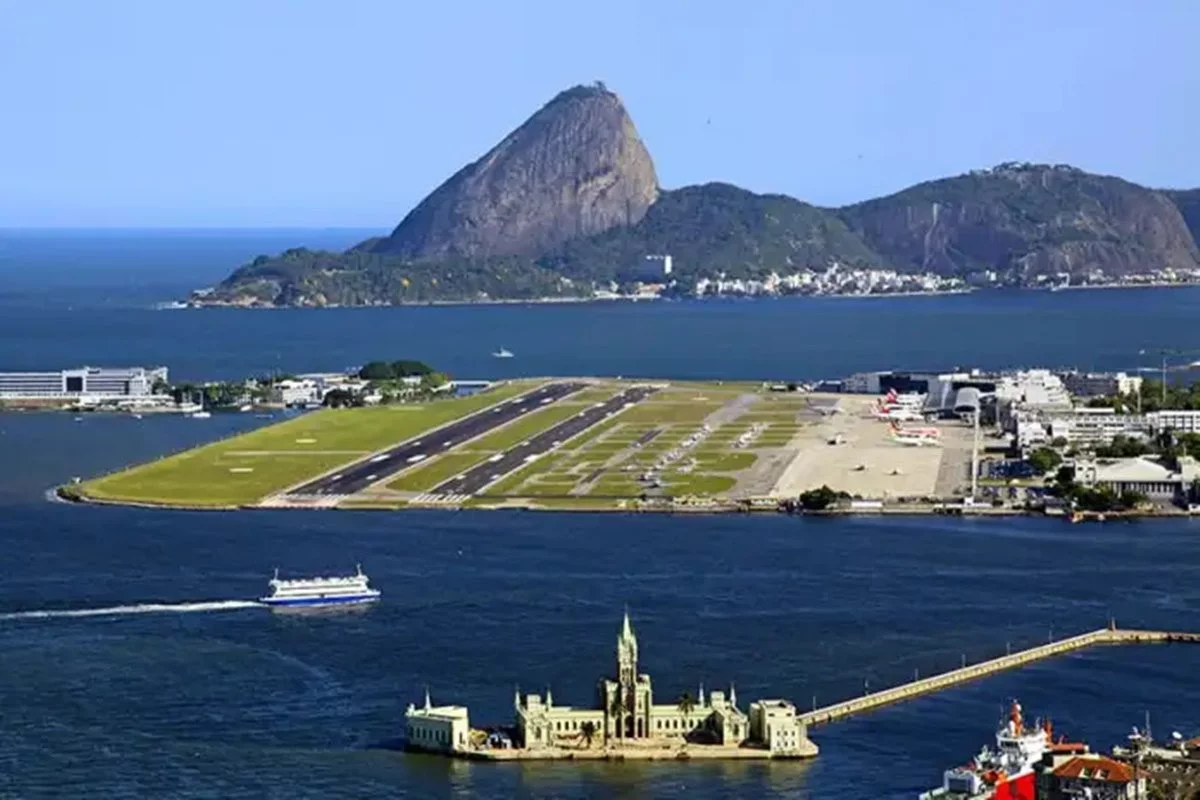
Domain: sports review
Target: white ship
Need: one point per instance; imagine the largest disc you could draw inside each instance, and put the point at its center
(502, 353)
(1006, 773)
(330, 591)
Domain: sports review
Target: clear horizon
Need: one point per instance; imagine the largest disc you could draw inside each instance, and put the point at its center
(136, 115)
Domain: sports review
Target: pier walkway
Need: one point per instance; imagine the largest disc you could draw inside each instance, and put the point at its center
(1109, 635)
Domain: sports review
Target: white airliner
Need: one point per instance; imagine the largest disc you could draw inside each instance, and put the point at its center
(929, 432)
(899, 415)
(908, 439)
(893, 400)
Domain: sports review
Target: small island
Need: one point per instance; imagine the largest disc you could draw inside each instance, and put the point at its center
(624, 723)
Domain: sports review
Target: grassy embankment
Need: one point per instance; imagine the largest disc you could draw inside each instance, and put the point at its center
(244, 469)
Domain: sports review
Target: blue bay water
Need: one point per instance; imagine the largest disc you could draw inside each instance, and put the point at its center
(244, 704)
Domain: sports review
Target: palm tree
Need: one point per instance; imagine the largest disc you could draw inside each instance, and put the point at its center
(617, 709)
(686, 705)
(587, 731)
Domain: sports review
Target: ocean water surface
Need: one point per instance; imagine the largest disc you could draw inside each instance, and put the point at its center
(236, 702)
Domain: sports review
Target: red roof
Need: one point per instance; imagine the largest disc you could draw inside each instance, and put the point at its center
(1096, 768)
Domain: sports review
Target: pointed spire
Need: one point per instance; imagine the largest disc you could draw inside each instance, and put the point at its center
(626, 627)
(732, 694)
(549, 697)
(700, 697)
(428, 704)
(516, 696)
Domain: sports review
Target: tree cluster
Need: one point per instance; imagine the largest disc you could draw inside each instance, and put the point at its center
(393, 370)
(1044, 459)
(820, 499)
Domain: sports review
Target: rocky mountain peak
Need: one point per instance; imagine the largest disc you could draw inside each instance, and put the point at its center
(575, 168)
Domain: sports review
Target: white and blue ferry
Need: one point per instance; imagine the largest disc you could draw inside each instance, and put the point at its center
(331, 591)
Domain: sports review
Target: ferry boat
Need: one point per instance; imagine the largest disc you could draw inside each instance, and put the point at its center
(329, 591)
(1006, 773)
(502, 353)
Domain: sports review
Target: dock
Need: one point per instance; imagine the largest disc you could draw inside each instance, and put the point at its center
(1112, 635)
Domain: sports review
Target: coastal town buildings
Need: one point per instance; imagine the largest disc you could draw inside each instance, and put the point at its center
(835, 280)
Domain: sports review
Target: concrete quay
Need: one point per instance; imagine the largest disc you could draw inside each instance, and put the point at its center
(1109, 635)
(665, 752)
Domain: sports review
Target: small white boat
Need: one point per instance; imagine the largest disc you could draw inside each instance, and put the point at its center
(502, 353)
(201, 415)
(329, 591)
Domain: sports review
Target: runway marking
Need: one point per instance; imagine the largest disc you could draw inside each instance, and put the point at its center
(434, 499)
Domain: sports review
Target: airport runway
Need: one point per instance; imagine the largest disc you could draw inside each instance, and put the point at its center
(479, 476)
(356, 477)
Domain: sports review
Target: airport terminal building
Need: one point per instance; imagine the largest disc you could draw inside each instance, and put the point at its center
(98, 383)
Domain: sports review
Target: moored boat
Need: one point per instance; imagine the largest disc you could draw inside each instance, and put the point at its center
(324, 591)
(1006, 773)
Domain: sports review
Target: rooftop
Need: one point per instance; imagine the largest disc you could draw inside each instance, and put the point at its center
(1096, 768)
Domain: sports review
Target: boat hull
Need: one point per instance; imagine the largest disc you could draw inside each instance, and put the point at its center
(313, 602)
(1021, 787)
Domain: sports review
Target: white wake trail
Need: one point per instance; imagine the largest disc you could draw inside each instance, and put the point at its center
(141, 608)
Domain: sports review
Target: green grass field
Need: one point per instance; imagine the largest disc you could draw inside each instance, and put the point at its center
(440, 469)
(287, 453)
(246, 468)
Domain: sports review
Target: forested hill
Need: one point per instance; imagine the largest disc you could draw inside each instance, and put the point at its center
(1026, 220)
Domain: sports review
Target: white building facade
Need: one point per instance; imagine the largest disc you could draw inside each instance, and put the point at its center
(1094, 427)
(626, 715)
(91, 382)
(1182, 421)
(439, 729)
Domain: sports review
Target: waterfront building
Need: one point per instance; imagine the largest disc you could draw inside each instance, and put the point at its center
(1101, 384)
(1090, 775)
(625, 722)
(299, 391)
(625, 712)
(1151, 478)
(91, 382)
(440, 729)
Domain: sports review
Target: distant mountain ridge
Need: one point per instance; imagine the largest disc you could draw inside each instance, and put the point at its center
(569, 202)
(1026, 220)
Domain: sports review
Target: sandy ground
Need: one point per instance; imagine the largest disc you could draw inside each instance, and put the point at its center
(868, 462)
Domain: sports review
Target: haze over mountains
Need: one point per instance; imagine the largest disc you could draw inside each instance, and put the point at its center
(569, 202)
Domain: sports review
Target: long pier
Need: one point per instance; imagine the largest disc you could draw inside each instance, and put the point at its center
(1109, 635)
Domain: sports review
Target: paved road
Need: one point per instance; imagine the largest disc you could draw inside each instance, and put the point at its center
(358, 476)
(479, 476)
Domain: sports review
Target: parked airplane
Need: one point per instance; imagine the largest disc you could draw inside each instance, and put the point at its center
(899, 415)
(910, 440)
(893, 400)
(931, 432)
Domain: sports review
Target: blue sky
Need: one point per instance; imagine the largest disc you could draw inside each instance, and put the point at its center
(273, 113)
